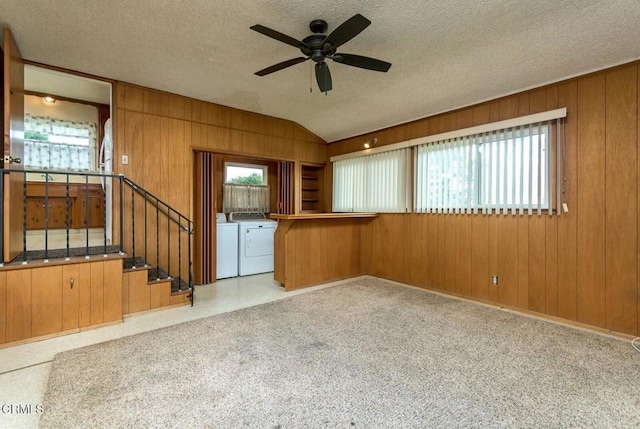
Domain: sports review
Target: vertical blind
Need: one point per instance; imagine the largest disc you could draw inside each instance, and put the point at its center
(510, 170)
(372, 183)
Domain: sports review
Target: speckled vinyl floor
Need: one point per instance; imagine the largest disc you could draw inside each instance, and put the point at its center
(24, 369)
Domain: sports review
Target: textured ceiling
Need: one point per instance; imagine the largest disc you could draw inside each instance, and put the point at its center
(446, 54)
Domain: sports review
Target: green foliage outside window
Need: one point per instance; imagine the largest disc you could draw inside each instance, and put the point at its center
(36, 135)
(253, 179)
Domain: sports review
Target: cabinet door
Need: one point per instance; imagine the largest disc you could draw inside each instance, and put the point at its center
(112, 290)
(46, 300)
(58, 213)
(35, 213)
(18, 313)
(83, 284)
(96, 212)
(97, 293)
(70, 294)
(3, 305)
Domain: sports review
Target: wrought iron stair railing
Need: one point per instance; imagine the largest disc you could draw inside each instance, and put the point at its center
(151, 233)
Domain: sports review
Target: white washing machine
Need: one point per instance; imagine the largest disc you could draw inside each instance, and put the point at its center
(255, 242)
(226, 247)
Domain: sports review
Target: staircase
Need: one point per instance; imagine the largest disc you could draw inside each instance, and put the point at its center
(152, 237)
(145, 288)
(159, 241)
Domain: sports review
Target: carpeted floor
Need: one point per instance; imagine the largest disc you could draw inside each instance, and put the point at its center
(364, 354)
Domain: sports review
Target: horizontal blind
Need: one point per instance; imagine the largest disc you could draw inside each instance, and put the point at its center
(499, 171)
(372, 183)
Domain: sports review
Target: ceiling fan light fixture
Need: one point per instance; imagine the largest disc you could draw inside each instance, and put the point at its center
(318, 47)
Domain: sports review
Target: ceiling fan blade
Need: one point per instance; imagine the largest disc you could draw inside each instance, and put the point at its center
(362, 62)
(280, 66)
(282, 38)
(347, 31)
(323, 77)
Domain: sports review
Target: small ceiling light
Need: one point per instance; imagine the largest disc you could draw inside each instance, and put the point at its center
(49, 99)
(370, 142)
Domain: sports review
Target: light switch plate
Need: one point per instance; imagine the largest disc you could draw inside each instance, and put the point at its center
(125, 159)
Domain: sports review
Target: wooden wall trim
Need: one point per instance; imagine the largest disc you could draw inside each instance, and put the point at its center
(582, 266)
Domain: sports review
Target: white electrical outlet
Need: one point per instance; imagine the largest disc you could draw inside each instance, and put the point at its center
(125, 159)
(494, 280)
(565, 208)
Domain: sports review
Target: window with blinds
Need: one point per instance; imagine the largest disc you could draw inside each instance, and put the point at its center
(510, 170)
(372, 183)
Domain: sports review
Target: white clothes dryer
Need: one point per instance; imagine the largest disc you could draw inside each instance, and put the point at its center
(255, 242)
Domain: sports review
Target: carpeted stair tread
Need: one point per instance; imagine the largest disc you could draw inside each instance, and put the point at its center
(34, 255)
(129, 263)
(177, 284)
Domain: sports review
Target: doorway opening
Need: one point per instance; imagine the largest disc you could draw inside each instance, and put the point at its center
(67, 132)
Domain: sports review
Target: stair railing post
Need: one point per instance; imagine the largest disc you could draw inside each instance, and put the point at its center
(190, 273)
(133, 225)
(169, 243)
(121, 198)
(157, 241)
(67, 217)
(24, 217)
(104, 213)
(146, 203)
(2, 179)
(179, 249)
(86, 214)
(46, 218)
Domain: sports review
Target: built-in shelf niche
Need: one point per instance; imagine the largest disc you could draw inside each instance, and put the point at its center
(312, 178)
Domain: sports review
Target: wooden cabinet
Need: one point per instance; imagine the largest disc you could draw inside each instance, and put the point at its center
(36, 212)
(46, 300)
(312, 188)
(18, 305)
(96, 209)
(74, 277)
(60, 298)
(57, 206)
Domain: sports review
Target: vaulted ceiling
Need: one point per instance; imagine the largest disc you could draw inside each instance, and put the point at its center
(445, 54)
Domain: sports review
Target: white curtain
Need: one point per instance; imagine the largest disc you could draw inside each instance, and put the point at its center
(245, 198)
(59, 145)
(372, 183)
(502, 171)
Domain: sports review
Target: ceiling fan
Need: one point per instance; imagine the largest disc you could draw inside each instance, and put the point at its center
(318, 47)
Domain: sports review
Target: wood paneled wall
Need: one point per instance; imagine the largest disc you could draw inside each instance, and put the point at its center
(64, 297)
(581, 266)
(159, 132)
(313, 251)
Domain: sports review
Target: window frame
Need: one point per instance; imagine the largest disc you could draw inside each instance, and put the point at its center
(371, 189)
(264, 168)
(535, 174)
(542, 182)
(91, 148)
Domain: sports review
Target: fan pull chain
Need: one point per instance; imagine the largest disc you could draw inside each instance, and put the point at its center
(311, 77)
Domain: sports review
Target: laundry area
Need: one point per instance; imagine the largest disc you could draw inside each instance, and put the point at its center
(244, 244)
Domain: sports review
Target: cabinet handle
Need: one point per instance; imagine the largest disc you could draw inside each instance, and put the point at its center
(72, 281)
